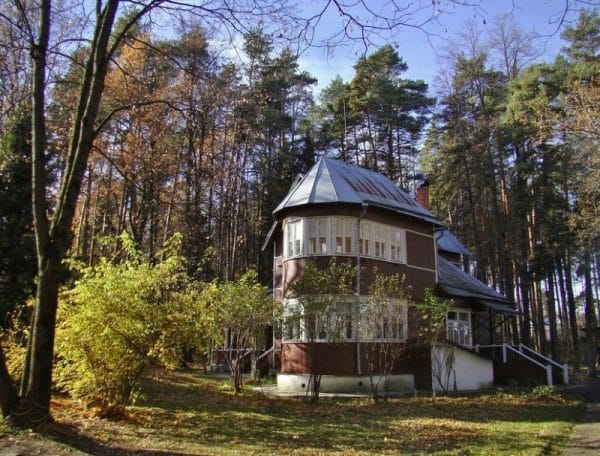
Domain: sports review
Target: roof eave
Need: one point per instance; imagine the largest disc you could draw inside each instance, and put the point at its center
(408, 212)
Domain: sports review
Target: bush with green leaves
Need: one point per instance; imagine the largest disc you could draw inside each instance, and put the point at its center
(433, 313)
(384, 323)
(242, 309)
(321, 313)
(120, 319)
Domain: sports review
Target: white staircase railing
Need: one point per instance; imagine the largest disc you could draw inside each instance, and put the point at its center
(521, 350)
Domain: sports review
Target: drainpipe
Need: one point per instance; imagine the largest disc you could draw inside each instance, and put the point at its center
(358, 364)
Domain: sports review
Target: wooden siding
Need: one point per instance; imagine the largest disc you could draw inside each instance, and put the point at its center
(417, 279)
(340, 359)
(420, 250)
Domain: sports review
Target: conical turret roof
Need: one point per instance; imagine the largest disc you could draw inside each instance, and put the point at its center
(331, 181)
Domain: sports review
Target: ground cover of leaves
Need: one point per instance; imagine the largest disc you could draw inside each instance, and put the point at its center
(189, 414)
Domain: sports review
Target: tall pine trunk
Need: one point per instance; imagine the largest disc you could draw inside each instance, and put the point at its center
(591, 348)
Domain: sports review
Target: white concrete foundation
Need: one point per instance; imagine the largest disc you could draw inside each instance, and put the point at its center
(352, 384)
(455, 369)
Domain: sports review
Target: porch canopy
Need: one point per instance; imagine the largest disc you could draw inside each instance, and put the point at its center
(458, 284)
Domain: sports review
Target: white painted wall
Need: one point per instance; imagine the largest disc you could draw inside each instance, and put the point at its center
(297, 383)
(456, 369)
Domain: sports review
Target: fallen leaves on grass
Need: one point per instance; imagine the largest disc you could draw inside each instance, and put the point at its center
(187, 413)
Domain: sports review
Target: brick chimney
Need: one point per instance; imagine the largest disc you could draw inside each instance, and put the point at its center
(423, 194)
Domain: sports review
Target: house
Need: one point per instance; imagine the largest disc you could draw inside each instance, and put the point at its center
(337, 210)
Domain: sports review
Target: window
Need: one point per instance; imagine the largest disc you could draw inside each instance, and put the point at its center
(294, 238)
(291, 328)
(458, 327)
(383, 320)
(317, 236)
(397, 245)
(343, 235)
(334, 324)
(379, 236)
(331, 324)
(336, 235)
(365, 236)
(342, 327)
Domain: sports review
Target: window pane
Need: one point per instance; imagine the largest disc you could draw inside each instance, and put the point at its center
(348, 227)
(322, 233)
(348, 245)
(339, 236)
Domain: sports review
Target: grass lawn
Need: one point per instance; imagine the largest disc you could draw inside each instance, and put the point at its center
(186, 413)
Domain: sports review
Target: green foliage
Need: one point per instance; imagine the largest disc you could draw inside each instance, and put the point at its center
(317, 315)
(383, 322)
(242, 308)
(317, 291)
(13, 339)
(545, 393)
(432, 313)
(17, 263)
(119, 319)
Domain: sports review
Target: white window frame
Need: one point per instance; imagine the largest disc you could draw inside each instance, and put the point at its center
(377, 240)
(460, 331)
(294, 323)
(322, 231)
(382, 335)
(347, 235)
(295, 228)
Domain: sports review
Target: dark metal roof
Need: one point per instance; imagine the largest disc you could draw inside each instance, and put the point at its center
(458, 283)
(449, 243)
(332, 181)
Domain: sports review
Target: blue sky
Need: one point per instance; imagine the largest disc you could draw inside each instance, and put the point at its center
(422, 51)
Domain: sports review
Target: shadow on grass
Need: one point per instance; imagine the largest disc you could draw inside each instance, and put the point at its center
(196, 416)
(72, 436)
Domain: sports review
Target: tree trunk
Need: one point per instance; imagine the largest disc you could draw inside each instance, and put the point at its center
(35, 405)
(551, 306)
(572, 310)
(53, 239)
(591, 349)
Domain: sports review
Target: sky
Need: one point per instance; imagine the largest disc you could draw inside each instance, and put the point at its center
(422, 50)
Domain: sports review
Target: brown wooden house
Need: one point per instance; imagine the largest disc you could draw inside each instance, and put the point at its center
(359, 216)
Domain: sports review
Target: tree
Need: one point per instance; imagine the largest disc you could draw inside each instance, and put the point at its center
(239, 311)
(384, 117)
(383, 321)
(320, 311)
(581, 123)
(433, 312)
(17, 265)
(119, 320)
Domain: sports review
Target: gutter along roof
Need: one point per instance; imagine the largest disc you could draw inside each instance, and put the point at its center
(331, 181)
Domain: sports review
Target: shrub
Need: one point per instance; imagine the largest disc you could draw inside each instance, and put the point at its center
(118, 320)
